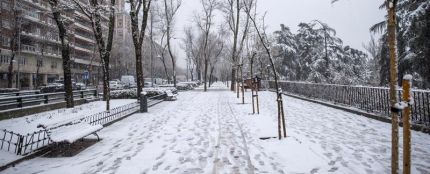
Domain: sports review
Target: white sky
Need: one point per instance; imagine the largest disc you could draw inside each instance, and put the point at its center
(350, 18)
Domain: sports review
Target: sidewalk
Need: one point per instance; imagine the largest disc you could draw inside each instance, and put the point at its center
(210, 132)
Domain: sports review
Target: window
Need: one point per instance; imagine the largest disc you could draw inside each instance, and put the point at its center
(119, 23)
(5, 23)
(54, 64)
(5, 5)
(3, 76)
(22, 61)
(4, 59)
(37, 31)
(39, 63)
(5, 41)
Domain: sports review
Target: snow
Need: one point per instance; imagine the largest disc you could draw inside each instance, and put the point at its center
(6, 157)
(400, 105)
(28, 124)
(74, 132)
(407, 77)
(211, 132)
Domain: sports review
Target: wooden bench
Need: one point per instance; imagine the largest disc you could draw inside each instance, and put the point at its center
(66, 132)
(170, 96)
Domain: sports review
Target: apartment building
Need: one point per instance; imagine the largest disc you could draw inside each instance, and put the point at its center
(38, 57)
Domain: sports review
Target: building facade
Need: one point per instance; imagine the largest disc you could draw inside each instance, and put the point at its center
(38, 58)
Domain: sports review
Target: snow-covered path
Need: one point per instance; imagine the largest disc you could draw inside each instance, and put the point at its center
(212, 133)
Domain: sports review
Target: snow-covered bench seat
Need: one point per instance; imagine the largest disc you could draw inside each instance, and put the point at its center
(170, 95)
(69, 131)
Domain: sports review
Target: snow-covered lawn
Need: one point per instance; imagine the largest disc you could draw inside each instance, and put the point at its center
(28, 124)
(212, 133)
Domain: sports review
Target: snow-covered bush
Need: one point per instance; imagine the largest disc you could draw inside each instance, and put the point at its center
(124, 94)
(132, 93)
(159, 90)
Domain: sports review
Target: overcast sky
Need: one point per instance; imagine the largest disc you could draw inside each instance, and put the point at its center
(350, 18)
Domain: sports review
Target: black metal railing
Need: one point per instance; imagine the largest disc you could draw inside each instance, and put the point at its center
(370, 99)
(22, 100)
(10, 141)
(25, 144)
(106, 117)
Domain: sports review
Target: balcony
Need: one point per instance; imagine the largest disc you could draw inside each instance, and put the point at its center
(39, 37)
(36, 51)
(83, 26)
(85, 38)
(30, 49)
(39, 5)
(82, 48)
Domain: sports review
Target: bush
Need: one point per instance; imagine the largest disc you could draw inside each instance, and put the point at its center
(124, 94)
(132, 93)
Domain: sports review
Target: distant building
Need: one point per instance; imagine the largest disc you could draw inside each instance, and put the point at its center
(40, 54)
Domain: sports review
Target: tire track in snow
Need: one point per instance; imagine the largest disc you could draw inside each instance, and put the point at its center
(228, 141)
(248, 158)
(217, 146)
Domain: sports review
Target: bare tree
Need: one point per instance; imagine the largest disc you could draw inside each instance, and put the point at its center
(392, 44)
(95, 11)
(261, 33)
(232, 11)
(170, 9)
(162, 57)
(138, 34)
(193, 50)
(217, 45)
(14, 41)
(205, 24)
(58, 7)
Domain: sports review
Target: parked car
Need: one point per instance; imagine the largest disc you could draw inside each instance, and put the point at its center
(184, 86)
(115, 85)
(149, 84)
(80, 86)
(52, 87)
(128, 81)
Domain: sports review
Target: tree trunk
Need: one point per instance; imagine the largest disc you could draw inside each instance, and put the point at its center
(65, 54)
(165, 69)
(205, 75)
(104, 47)
(235, 36)
(37, 74)
(233, 79)
(191, 74)
(210, 76)
(199, 73)
(393, 86)
(168, 21)
(10, 71)
(138, 36)
(13, 45)
(139, 70)
(281, 116)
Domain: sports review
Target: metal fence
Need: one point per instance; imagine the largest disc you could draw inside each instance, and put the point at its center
(113, 114)
(370, 99)
(25, 144)
(23, 100)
